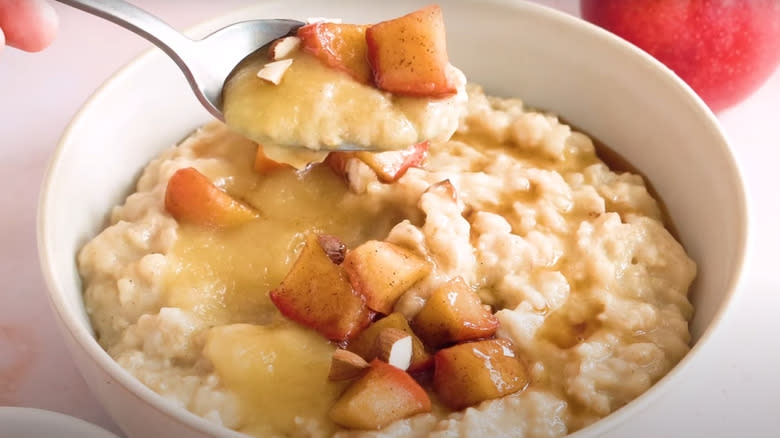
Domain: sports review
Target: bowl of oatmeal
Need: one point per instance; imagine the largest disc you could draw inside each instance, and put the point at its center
(545, 270)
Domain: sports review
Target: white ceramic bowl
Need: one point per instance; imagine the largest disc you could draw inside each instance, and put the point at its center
(552, 60)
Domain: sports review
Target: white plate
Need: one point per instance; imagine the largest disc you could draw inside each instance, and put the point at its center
(37, 423)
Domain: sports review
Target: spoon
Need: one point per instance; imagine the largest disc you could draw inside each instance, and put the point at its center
(206, 63)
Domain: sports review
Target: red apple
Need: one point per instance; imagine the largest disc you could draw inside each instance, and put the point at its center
(723, 49)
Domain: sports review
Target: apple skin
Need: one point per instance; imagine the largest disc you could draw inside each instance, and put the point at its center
(723, 49)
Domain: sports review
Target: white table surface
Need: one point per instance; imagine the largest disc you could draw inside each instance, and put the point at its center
(736, 394)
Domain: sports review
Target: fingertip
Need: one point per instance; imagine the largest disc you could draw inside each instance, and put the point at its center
(29, 25)
(49, 25)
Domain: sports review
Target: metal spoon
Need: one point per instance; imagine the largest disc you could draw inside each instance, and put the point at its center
(206, 63)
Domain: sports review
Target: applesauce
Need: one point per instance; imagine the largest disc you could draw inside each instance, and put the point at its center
(321, 108)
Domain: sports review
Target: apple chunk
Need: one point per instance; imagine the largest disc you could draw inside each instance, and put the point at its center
(339, 46)
(265, 164)
(317, 293)
(365, 343)
(408, 55)
(383, 395)
(191, 197)
(389, 166)
(382, 272)
(454, 313)
(469, 373)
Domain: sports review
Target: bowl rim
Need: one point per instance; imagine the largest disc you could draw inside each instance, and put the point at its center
(85, 340)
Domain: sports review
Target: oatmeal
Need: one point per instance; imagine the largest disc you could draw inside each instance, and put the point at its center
(572, 259)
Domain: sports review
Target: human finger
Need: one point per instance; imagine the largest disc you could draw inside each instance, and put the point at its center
(29, 25)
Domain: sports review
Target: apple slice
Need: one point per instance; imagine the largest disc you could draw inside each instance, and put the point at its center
(453, 313)
(469, 373)
(382, 272)
(366, 342)
(383, 395)
(391, 165)
(408, 55)
(317, 293)
(192, 198)
(337, 161)
(264, 164)
(339, 46)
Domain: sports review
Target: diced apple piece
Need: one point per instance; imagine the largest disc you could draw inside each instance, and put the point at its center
(383, 395)
(334, 247)
(408, 55)
(337, 161)
(388, 166)
(192, 198)
(339, 46)
(454, 313)
(391, 165)
(472, 372)
(264, 164)
(382, 272)
(317, 293)
(365, 343)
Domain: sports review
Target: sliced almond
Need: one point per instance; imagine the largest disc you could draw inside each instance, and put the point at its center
(334, 247)
(273, 71)
(445, 190)
(346, 365)
(283, 47)
(394, 346)
(312, 20)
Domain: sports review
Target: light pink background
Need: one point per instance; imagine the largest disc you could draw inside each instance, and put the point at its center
(737, 393)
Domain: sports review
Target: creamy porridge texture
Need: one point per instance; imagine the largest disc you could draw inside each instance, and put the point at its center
(572, 257)
(488, 276)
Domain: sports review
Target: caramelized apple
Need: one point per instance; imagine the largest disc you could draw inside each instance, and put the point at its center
(191, 197)
(382, 272)
(408, 55)
(364, 344)
(383, 395)
(454, 313)
(469, 373)
(317, 293)
(388, 166)
(264, 164)
(391, 165)
(340, 46)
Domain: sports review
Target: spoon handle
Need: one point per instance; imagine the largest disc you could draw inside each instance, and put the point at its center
(138, 21)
